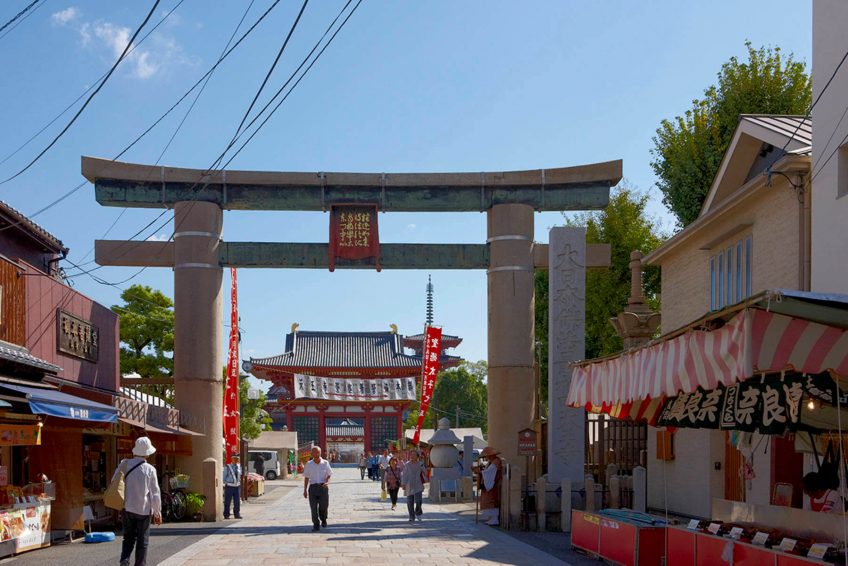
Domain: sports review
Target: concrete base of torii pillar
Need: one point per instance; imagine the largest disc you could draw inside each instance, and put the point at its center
(198, 363)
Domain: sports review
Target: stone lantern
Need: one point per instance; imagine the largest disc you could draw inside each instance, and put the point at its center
(443, 452)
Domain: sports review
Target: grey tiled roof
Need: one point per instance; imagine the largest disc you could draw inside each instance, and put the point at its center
(16, 217)
(20, 355)
(342, 349)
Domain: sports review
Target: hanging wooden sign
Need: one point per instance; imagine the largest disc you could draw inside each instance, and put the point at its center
(354, 234)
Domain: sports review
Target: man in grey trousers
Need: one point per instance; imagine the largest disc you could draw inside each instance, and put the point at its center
(316, 488)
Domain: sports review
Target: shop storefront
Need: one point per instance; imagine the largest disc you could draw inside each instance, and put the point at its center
(770, 375)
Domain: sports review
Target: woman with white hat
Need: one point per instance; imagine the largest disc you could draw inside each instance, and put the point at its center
(142, 501)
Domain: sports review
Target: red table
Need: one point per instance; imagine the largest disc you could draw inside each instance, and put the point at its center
(696, 548)
(617, 540)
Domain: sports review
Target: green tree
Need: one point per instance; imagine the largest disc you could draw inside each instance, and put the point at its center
(626, 226)
(253, 418)
(147, 332)
(464, 387)
(688, 149)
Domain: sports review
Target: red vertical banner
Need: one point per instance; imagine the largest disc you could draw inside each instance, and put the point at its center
(429, 370)
(354, 233)
(231, 391)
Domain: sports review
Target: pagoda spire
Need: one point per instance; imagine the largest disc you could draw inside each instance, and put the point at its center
(429, 301)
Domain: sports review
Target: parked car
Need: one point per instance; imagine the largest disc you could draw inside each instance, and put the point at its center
(264, 463)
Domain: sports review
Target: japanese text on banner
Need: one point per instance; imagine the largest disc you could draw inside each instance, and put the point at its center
(429, 371)
(231, 391)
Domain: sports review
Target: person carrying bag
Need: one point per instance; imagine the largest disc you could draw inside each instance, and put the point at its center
(135, 488)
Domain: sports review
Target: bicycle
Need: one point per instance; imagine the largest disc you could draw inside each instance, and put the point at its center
(174, 501)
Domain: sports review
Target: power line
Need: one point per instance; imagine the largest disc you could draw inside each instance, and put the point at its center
(19, 14)
(315, 60)
(162, 117)
(185, 117)
(813, 105)
(273, 66)
(93, 84)
(261, 125)
(89, 99)
(291, 77)
(28, 14)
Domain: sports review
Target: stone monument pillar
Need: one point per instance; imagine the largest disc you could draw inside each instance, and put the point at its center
(198, 364)
(637, 324)
(566, 344)
(511, 331)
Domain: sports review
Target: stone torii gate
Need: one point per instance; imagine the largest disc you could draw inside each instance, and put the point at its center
(198, 255)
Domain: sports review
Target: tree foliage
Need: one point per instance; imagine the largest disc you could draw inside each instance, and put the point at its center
(253, 419)
(688, 149)
(147, 332)
(626, 226)
(464, 387)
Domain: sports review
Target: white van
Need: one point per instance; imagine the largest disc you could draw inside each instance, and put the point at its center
(264, 460)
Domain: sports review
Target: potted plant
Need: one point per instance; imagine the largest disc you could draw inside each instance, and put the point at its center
(194, 504)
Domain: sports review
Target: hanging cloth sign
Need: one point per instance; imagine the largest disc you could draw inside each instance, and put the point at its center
(354, 389)
(353, 233)
(231, 390)
(429, 371)
(749, 406)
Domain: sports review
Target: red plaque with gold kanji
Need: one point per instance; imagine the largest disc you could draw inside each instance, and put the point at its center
(353, 233)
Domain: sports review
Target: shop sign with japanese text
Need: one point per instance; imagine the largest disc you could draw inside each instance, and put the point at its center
(768, 406)
(77, 337)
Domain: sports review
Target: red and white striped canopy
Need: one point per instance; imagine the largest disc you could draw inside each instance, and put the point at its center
(754, 341)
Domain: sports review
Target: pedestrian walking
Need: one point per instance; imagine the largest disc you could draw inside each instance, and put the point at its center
(373, 466)
(413, 478)
(363, 465)
(142, 501)
(383, 462)
(232, 487)
(316, 487)
(393, 480)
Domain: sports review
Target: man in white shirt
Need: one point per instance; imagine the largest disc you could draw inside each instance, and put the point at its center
(316, 488)
(232, 487)
(385, 458)
(142, 499)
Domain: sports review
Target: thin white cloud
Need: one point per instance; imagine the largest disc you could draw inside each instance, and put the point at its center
(159, 52)
(159, 238)
(66, 16)
(411, 226)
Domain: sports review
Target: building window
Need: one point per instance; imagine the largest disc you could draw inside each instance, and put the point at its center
(730, 274)
(307, 429)
(383, 429)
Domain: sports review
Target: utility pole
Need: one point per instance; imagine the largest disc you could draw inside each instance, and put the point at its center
(457, 417)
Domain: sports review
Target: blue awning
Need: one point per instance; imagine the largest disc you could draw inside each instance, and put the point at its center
(57, 404)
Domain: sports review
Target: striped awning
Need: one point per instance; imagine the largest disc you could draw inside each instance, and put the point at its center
(754, 341)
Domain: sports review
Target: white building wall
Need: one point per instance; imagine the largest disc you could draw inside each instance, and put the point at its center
(829, 267)
(690, 481)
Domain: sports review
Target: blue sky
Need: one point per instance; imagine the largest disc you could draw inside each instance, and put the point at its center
(406, 86)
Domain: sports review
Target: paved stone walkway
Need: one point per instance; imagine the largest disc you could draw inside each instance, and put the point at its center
(362, 529)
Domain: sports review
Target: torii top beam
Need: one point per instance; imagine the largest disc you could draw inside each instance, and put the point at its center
(584, 187)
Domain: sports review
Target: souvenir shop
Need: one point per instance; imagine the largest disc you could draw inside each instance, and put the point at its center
(769, 379)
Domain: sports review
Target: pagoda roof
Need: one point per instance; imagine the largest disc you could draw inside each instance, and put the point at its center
(318, 349)
(418, 338)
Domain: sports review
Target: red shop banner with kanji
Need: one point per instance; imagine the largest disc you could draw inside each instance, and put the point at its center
(353, 233)
(429, 371)
(231, 390)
